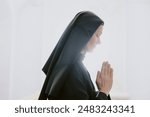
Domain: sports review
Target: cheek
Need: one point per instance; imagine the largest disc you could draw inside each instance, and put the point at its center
(94, 40)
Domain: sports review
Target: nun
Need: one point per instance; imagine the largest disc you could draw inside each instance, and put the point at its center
(66, 76)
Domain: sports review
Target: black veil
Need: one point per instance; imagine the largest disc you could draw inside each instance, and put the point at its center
(68, 48)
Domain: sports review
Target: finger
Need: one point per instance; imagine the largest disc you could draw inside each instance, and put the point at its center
(101, 80)
(102, 69)
(98, 80)
(105, 68)
(98, 74)
(97, 77)
(108, 69)
(111, 73)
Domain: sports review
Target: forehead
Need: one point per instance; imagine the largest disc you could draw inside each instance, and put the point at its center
(99, 29)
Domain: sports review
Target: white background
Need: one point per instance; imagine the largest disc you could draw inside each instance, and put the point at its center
(29, 30)
(114, 108)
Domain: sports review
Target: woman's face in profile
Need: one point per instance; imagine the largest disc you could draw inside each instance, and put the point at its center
(95, 39)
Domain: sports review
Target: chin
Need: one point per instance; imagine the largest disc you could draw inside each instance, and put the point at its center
(90, 50)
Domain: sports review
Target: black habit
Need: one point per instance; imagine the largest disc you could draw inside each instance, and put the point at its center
(66, 76)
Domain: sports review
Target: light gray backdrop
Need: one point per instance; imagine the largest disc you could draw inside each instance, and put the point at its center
(29, 30)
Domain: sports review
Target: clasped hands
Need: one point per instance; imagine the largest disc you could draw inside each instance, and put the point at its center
(104, 78)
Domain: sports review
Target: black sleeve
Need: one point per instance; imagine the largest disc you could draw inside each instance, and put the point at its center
(97, 95)
(76, 88)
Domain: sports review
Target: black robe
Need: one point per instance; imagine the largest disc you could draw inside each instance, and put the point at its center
(66, 77)
(78, 85)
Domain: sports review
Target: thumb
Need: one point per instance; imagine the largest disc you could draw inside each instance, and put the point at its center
(98, 74)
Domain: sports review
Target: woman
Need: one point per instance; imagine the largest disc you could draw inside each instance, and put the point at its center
(66, 76)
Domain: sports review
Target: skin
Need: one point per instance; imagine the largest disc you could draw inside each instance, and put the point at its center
(104, 77)
(95, 39)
